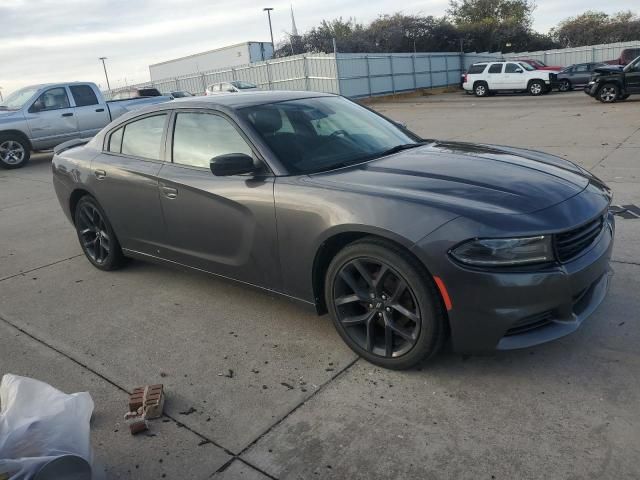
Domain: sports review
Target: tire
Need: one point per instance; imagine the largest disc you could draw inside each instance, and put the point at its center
(565, 86)
(481, 89)
(15, 151)
(96, 236)
(608, 93)
(386, 324)
(536, 87)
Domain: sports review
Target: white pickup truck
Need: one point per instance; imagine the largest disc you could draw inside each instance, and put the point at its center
(43, 116)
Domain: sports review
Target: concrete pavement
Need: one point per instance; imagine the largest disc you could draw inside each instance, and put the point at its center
(299, 404)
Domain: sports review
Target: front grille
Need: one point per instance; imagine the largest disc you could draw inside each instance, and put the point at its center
(530, 323)
(570, 244)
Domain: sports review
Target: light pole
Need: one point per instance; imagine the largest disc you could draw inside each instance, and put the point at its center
(105, 72)
(268, 10)
(1, 99)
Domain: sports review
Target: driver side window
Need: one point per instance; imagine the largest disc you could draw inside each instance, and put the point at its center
(199, 137)
(512, 68)
(52, 99)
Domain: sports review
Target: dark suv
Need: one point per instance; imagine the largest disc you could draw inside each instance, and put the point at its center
(609, 84)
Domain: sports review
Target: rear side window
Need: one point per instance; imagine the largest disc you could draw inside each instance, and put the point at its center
(476, 69)
(143, 138)
(115, 141)
(83, 95)
(495, 68)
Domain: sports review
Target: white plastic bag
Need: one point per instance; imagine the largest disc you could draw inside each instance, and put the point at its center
(38, 424)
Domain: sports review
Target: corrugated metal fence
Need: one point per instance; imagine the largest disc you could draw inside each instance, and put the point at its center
(352, 75)
(569, 56)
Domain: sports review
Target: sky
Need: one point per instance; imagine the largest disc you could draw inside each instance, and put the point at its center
(60, 40)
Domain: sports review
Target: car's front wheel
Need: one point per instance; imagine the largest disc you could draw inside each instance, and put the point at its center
(536, 88)
(565, 86)
(14, 151)
(384, 304)
(608, 93)
(96, 235)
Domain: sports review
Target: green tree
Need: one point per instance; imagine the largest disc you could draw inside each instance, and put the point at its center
(592, 28)
(493, 25)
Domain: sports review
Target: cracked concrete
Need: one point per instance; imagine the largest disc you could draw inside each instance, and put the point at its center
(568, 409)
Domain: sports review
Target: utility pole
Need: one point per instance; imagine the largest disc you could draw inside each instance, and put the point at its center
(105, 71)
(268, 10)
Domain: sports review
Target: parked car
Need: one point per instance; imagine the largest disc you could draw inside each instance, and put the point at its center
(179, 94)
(312, 196)
(230, 87)
(136, 93)
(610, 84)
(40, 117)
(540, 65)
(577, 75)
(485, 78)
(626, 56)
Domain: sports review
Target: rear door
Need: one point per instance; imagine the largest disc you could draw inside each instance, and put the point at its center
(225, 225)
(494, 77)
(91, 115)
(124, 178)
(51, 118)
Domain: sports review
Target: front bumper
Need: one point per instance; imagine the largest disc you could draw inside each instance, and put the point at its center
(591, 88)
(505, 310)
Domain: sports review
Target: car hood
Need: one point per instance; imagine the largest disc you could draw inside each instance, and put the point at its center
(609, 70)
(462, 177)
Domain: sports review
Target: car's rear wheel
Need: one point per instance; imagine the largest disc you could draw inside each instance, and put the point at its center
(608, 93)
(14, 151)
(536, 87)
(565, 86)
(384, 305)
(481, 89)
(96, 235)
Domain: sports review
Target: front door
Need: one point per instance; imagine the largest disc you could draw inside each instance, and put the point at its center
(124, 178)
(632, 77)
(514, 77)
(224, 225)
(51, 119)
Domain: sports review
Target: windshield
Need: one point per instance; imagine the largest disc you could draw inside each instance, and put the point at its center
(243, 85)
(526, 66)
(17, 99)
(316, 134)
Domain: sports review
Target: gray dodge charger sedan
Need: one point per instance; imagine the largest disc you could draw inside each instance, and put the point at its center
(403, 241)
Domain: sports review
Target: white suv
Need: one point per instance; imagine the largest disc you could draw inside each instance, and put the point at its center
(485, 78)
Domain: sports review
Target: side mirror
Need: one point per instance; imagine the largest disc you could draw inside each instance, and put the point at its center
(231, 164)
(37, 106)
(518, 70)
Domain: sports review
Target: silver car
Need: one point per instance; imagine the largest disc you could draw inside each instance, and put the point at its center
(236, 86)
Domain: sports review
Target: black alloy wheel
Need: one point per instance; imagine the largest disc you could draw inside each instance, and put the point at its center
(97, 239)
(383, 306)
(565, 85)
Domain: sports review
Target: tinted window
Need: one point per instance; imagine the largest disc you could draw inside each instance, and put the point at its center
(115, 141)
(495, 68)
(512, 68)
(476, 69)
(143, 138)
(83, 95)
(198, 137)
(324, 133)
(581, 68)
(53, 99)
(149, 92)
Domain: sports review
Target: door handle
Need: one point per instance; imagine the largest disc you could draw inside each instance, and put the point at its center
(100, 174)
(99, 109)
(67, 114)
(170, 192)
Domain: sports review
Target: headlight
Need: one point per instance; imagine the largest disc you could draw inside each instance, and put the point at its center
(497, 252)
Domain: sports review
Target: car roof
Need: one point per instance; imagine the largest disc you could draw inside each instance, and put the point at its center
(237, 100)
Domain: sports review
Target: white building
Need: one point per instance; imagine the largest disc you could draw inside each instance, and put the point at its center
(231, 56)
